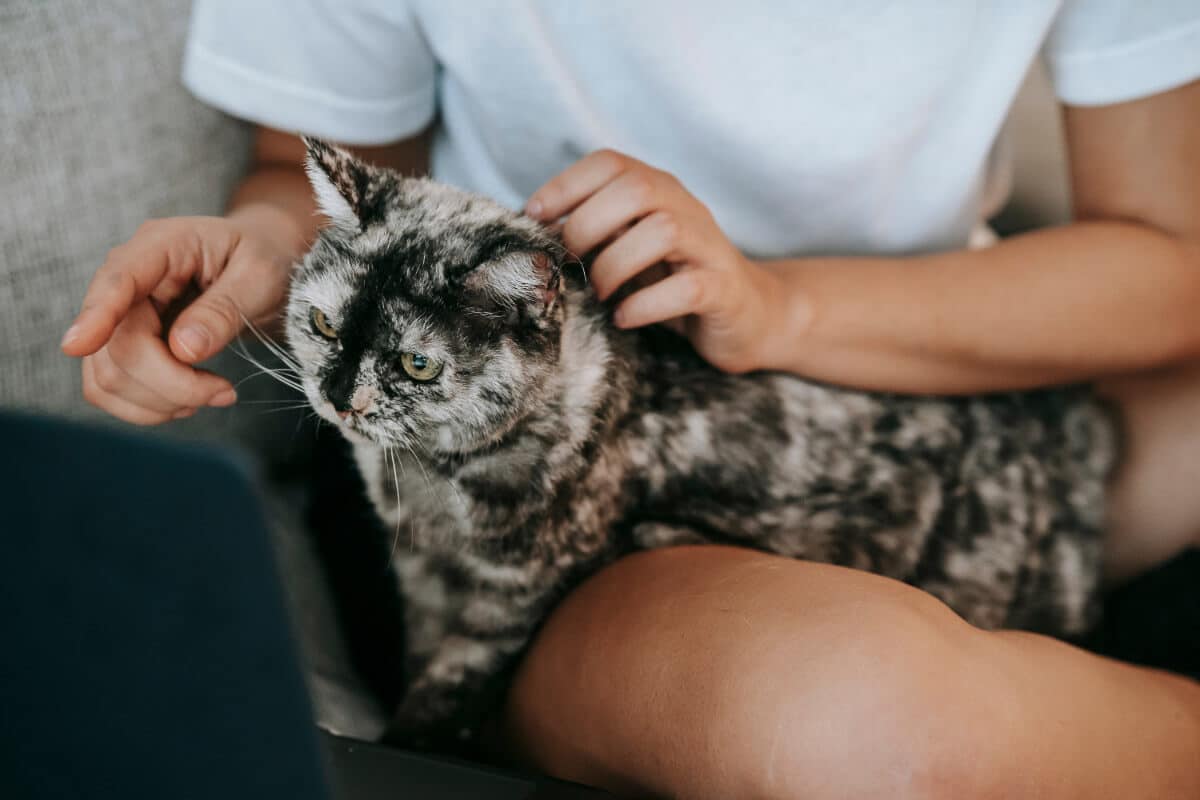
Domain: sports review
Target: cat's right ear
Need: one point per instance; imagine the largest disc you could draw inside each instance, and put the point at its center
(342, 183)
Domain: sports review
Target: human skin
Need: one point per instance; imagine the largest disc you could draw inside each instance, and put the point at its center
(887, 689)
(710, 672)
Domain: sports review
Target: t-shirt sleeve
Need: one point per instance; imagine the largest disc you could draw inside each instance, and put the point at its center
(356, 71)
(1110, 51)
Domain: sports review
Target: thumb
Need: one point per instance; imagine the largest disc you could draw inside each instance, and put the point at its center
(219, 314)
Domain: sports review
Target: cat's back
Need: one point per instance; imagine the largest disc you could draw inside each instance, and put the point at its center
(1068, 427)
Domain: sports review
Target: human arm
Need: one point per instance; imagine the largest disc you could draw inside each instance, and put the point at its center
(237, 265)
(1117, 290)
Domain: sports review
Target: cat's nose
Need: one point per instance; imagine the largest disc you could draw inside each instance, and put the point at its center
(363, 399)
(343, 414)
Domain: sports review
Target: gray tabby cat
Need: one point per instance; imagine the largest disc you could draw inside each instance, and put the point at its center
(517, 442)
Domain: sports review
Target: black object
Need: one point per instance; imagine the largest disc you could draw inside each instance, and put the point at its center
(364, 771)
(1154, 620)
(145, 650)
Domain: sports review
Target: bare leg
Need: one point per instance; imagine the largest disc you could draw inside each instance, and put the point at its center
(1154, 511)
(714, 672)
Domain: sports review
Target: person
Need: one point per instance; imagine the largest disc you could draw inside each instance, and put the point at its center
(812, 175)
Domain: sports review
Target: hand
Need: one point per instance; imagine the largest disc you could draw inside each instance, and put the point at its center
(128, 369)
(722, 301)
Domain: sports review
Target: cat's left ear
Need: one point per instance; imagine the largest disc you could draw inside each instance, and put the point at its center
(346, 188)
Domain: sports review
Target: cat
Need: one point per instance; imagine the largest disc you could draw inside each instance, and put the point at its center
(515, 442)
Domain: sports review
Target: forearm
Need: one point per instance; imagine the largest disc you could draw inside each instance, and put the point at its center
(1053, 306)
(1085, 726)
(276, 201)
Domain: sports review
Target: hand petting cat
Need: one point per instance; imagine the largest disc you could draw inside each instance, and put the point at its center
(639, 218)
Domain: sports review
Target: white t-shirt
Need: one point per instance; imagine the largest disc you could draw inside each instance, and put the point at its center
(856, 126)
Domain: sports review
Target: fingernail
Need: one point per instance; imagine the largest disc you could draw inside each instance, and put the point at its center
(534, 208)
(192, 341)
(187, 412)
(225, 398)
(619, 318)
(71, 335)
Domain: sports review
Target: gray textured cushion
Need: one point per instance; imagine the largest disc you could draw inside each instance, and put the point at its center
(96, 136)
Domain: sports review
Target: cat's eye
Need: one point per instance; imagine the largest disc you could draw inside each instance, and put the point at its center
(419, 367)
(321, 324)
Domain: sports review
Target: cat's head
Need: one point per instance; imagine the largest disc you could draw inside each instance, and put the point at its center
(423, 317)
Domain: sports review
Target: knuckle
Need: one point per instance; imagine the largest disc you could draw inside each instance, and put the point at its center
(108, 268)
(641, 188)
(221, 310)
(115, 278)
(609, 159)
(668, 227)
(106, 375)
(695, 291)
(122, 347)
(667, 179)
(195, 391)
(571, 232)
(114, 254)
(90, 391)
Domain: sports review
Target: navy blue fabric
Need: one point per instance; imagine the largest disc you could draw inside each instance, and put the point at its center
(144, 648)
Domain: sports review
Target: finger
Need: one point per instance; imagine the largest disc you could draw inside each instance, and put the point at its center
(652, 240)
(113, 380)
(128, 275)
(118, 407)
(630, 196)
(156, 376)
(246, 289)
(693, 291)
(576, 183)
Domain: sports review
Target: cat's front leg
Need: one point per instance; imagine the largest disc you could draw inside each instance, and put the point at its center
(464, 677)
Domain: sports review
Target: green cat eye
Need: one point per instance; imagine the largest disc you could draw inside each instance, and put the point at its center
(419, 367)
(321, 324)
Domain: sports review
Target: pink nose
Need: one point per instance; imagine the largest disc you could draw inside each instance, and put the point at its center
(343, 414)
(362, 399)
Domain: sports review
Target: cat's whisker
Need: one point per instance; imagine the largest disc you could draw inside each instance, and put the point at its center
(238, 348)
(279, 375)
(280, 352)
(428, 483)
(390, 454)
(290, 402)
(462, 503)
(297, 407)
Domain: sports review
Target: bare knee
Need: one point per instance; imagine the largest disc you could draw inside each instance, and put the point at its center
(875, 702)
(689, 675)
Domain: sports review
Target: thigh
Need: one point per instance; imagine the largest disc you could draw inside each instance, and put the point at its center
(1154, 508)
(714, 671)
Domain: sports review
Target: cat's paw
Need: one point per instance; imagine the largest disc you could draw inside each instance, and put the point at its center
(444, 736)
(432, 718)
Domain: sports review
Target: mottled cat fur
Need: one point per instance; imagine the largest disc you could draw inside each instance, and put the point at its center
(551, 443)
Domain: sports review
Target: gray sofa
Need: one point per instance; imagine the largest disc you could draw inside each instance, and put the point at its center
(97, 135)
